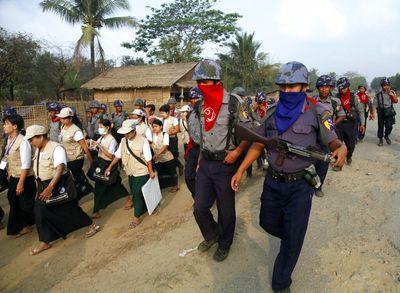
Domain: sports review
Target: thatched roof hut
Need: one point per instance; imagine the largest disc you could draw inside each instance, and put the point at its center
(154, 83)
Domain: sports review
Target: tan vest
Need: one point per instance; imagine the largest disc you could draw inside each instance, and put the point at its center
(157, 146)
(46, 161)
(168, 124)
(73, 148)
(106, 142)
(14, 159)
(141, 129)
(131, 165)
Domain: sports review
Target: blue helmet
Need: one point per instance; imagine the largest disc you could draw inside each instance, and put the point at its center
(385, 81)
(53, 106)
(261, 97)
(239, 91)
(9, 111)
(324, 80)
(249, 101)
(103, 106)
(118, 103)
(195, 93)
(343, 83)
(292, 73)
(207, 69)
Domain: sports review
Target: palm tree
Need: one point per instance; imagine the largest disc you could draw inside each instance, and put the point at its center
(244, 65)
(93, 15)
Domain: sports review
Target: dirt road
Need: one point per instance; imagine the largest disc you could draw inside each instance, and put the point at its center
(352, 243)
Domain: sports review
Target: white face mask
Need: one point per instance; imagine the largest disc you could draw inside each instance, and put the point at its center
(101, 131)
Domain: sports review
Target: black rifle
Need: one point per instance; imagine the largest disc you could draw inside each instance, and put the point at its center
(279, 145)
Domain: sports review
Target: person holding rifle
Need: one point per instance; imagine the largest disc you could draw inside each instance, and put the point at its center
(287, 191)
(383, 104)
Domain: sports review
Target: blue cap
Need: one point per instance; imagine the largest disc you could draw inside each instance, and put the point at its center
(118, 103)
(291, 73)
(343, 83)
(195, 93)
(324, 80)
(207, 69)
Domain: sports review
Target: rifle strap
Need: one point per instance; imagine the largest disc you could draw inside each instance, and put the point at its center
(232, 108)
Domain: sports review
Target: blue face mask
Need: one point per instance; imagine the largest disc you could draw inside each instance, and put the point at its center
(288, 110)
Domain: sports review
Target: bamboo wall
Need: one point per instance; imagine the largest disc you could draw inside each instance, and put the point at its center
(157, 96)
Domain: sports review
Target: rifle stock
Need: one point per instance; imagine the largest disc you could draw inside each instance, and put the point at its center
(277, 144)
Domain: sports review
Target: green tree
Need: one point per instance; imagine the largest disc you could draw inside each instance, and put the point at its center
(176, 31)
(312, 77)
(17, 63)
(355, 80)
(92, 15)
(244, 66)
(129, 61)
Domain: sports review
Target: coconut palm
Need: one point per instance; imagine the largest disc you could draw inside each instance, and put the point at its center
(92, 15)
(244, 65)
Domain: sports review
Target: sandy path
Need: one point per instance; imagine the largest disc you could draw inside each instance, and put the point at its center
(352, 244)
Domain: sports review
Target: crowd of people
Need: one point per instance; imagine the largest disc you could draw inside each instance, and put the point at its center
(145, 144)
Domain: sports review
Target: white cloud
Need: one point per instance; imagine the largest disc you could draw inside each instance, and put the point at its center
(306, 19)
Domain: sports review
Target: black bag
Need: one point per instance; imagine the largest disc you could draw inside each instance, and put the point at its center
(3, 173)
(3, 180)
(63, 192)
(389, 112)
(96, 172)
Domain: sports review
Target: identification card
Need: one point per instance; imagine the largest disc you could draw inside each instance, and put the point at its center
(3, 165)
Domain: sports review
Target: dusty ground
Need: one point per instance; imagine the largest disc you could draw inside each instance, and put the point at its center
(352, 244)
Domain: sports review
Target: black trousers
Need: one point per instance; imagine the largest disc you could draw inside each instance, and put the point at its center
(173, 147)
(190, 169)
(385, 124)
(213, 183)
(83, 187)
(346, 132)
(21, 206)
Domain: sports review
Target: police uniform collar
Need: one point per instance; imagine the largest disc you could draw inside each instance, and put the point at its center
(327, 100)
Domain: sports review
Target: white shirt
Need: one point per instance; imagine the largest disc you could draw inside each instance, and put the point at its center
(149, 134)
(25, 152)
(59, 156)
(77, 136)
(146, 150)
(113, 145)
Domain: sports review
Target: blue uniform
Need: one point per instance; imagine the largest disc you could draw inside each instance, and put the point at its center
(286, 206)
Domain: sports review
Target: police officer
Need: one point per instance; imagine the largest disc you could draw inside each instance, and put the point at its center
(261, 106)
(325, 84)
(54, 124)
(286, 197)
(193, 150)
(218, 113)
(94, 121)
(117, 117)
(138, 104)
(383, 104)
(103, 109)
(353, 110)
(172, 107)
(367, 105)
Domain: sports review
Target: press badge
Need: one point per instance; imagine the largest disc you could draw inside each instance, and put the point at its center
(3, 165)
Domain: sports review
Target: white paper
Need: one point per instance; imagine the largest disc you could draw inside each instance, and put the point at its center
(152, 194)
(3, 165)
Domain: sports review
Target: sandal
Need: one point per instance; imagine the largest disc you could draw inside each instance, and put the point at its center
(133, 225)
(92, 230)
(23, 232)
(39, 249)
(174, 189)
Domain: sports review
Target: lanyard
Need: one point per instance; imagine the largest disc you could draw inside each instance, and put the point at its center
(9, 147)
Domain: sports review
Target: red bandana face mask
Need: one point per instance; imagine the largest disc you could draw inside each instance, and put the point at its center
(345, 99)
(213, 95)
(363, 98)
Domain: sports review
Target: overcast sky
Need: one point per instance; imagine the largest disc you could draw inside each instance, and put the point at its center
(329, 35)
